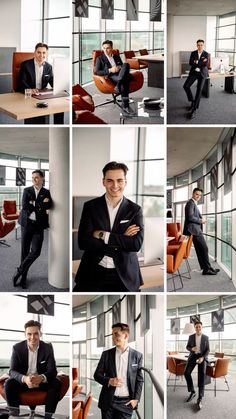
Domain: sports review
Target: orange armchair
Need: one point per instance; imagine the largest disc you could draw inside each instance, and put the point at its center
(83, 107)
(84, 406)
(175, 368)
(9, 210)
(174, 260)
(104, 85)
(134, 63)
(220, 369)
(143, 51)
(18, 58)
(174, 230)
(173, 247)
(6, 229)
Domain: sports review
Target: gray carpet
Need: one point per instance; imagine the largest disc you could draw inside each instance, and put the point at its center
(38, 273)
(221, 406)
(219, 108)
(110, 113)
(202, 283)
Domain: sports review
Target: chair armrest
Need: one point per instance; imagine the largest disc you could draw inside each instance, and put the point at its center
(133, 62)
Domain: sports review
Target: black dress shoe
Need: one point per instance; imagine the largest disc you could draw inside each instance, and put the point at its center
(208, 272)
(190, 108)
(215, 270)
(128, 110)
(192, 114)
(191, 396)
(199, 404)
(15, 277)
(23, 283)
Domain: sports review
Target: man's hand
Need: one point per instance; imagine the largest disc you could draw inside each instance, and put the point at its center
(195, 349)
(200, 360)
(133, 403)
(115, 382)
(46, 200)
(203, 221)
(204, 60)
(195, 61)
(36, 379)
(132, 230)
(114, 69)
(96, 234)
(34, 91)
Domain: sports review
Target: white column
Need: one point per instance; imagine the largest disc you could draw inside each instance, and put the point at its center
(59, 232)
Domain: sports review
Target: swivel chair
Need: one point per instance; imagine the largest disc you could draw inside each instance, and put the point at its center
(6, 229)
(18, 58)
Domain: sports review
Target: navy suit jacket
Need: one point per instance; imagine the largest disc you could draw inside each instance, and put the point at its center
(45, 361)
(103, 64)
(123, 249)
(201, 64)
(40, 208)
(192, 222)
(27, 79)
(106, 369)
(204, 347)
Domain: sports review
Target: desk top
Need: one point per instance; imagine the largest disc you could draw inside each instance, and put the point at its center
(182, 356)
(151, 57)
(16, 106)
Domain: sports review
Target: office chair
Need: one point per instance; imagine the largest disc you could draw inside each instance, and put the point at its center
(5, 229)
(18, 58)
(135, 64)
(220, 369)
(83, 107)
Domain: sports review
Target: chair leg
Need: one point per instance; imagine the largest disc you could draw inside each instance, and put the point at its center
(180, 278)
(173, 280)
(215, 388)
(3, 242)
(175, 382)
(168, 379)
(226, 382)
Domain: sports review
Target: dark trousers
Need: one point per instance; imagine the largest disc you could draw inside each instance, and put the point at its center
(122, 80)
(31, 245)
(201, 375)
(187, 87)
(107, 280)
(118, 410)
(201, 251)
(13, 387)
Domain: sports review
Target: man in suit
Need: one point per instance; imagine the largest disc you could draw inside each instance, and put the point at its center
(33, 219)
(198, 346)
(111, 234)
(112, 67)
(32, 367)
(199, 71)
(36, 73)
(119, 373)
(193, 226)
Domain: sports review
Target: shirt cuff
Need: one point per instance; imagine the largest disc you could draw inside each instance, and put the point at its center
(106, 237)
(22, 378)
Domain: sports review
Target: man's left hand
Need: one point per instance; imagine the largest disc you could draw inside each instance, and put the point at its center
(36, 380)
(96, 234)
(200, 360)
(133, 403)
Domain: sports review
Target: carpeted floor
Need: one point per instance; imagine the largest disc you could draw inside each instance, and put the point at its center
(219, 108)
(110, 113)
(202, 283)
(221, 406)
(38, 273)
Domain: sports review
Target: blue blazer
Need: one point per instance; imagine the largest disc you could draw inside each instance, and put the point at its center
(27, 79)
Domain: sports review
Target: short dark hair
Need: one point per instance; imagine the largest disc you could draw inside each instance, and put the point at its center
(197, 322)
(32, 323)
(200, 40)
(197, 189)
(41, 45)
(40, 172)
(108, 42)
(123, 327)
(113, 165)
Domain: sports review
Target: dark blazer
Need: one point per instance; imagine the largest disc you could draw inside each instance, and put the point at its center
(106, 369)
(204, 347)
(45, 362)
(123, 249)
(192, 222)
(202, 65)
(27, 80)
(103, 64)
(40, 207)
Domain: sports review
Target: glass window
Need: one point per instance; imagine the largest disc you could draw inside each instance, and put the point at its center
(226, 44)
(155, 146)
(197, 172)
(57, 8)
(118, 23)
(58, 32)
(227, 31)
(182, 179)
(181, 194)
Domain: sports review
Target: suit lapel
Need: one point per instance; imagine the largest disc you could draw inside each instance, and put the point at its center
(32, 193)
(33, 72)
(113, 360)
(26, 356)
(120, 214)
(104, 215)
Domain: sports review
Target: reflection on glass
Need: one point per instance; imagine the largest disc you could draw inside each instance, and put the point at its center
(226, 235)
(210, 229)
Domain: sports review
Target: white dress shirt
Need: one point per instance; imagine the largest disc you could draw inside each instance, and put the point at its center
(199, 56)
(32, 361)
(111, 60)
(198, 339)
(122, 358)
(32, 216)
(38, 74)
(107, 261)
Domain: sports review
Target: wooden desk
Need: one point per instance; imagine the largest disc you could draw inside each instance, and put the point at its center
(155, 69)
(182, 356)
(16, 106)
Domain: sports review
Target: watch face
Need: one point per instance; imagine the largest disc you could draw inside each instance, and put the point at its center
(101, 234)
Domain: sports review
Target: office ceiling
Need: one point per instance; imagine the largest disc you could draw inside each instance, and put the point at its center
(188, 146)
(200, 7)
(79, 300)
(27, 142)
(174, 301)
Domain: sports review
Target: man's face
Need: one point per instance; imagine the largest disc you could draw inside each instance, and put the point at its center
(37, 180)
(197, 195)
(198, 328)
(120, 339)
(32, 335)
(40, 54)
(107, 49)
(115, 183)
(200, 46)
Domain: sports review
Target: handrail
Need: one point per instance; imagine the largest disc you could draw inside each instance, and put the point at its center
(157, 386)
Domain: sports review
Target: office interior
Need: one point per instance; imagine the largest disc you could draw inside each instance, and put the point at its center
(144, 314)
(143, 151)
(204, 158)
(128, 36)
(218, 315)
(55, 328)
(215, 23)
(30, 149)
(24, 23)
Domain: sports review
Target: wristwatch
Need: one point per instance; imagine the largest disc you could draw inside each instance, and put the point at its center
(101, 235)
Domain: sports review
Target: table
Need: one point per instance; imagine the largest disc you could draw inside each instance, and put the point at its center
(155, 69)
(141, 112)
(16, 106)
(229, 81)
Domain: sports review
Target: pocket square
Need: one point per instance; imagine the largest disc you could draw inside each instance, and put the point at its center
(46, 75)
(124, 221)
(134, 365)
(42, 362)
